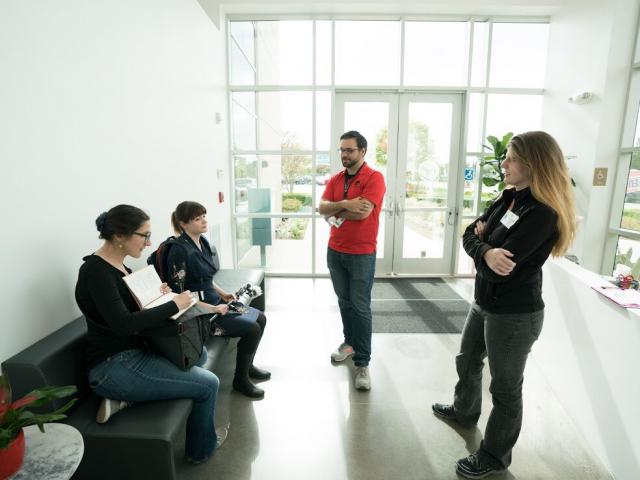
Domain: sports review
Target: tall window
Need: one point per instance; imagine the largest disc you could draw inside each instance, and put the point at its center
(624, 231)
(283, 75)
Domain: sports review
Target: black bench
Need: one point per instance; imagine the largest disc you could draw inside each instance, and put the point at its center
(137, 442)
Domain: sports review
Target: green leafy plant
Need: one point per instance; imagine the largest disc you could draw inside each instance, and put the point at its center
(492, 164)
(292, 229)
(14, 416)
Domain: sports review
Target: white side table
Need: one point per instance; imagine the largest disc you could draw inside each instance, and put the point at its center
(53, 455)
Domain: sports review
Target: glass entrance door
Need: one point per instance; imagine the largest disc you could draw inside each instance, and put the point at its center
(426, 174)
(413, 139)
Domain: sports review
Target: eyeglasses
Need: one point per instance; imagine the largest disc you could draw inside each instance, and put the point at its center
(147, 236)
(348, 150)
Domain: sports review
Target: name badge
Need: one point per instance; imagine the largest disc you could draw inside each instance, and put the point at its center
(509, 219)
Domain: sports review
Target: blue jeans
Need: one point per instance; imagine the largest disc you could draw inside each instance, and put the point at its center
(505, 339)
(138, 376)
(352, 278)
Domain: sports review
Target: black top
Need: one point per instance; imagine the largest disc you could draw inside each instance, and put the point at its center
(192, 268)
(114, 319)
(530, 239)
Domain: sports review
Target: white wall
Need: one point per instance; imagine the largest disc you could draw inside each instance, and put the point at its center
(590, 49)
(588, 351)
(100, 103)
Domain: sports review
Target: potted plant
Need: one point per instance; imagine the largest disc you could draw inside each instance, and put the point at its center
(14, 416)
(492, 164)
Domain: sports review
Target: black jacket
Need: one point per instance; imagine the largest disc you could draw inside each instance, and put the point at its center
(114, 320)
(198, 266)
(530, 239)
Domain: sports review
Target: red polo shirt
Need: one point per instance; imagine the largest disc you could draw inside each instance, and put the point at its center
(357, 236)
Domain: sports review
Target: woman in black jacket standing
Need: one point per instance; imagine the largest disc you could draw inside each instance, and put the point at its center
(191, 266)
(509, 244)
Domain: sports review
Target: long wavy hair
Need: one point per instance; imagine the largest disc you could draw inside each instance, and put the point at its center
(541, 155)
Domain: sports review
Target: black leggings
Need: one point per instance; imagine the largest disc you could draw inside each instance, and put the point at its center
(250, 338)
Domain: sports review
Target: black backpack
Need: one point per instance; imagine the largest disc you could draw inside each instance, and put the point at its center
(158, 258)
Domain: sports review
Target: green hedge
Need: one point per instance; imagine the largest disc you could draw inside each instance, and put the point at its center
(631, 220)
(303, 198)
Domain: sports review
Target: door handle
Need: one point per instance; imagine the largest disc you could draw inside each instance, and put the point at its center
(390, 208)
(452, 213)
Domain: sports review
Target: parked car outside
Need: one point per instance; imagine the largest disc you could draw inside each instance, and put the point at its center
(303, 180)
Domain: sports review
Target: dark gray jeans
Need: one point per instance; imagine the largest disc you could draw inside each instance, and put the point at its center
(506, 340)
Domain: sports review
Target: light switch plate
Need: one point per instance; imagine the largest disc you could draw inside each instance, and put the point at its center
(600, 177)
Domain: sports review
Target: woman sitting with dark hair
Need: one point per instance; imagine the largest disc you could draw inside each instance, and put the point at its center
(192, 267)
(121, 368)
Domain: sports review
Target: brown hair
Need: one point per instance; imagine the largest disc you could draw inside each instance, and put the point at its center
(120, 220)
(185, 212)
(541, 155)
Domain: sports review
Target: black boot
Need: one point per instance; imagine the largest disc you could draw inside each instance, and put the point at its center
(255, 372)
(241, 382)
(258, 374)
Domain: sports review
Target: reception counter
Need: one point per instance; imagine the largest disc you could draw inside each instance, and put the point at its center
(589, 351)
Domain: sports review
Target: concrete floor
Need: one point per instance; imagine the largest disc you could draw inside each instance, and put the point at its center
(312, 424)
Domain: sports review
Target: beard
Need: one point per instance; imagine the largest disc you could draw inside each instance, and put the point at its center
(348, 162)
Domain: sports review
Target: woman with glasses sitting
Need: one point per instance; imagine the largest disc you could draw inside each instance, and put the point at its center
(121, 368)
(193, 267)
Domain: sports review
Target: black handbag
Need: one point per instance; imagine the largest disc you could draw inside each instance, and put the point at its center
(180, 341)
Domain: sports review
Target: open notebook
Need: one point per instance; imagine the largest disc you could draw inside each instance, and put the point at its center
(145, 284)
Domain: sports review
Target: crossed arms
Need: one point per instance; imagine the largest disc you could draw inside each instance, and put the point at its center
(355, 209)
(498, 263)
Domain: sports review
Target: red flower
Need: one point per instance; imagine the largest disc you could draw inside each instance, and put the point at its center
(23, 401)
(5, 397)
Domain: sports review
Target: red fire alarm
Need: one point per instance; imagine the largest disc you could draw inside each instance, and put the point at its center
(220, 197)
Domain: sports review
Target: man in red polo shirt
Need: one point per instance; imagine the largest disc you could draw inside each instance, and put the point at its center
(351, 202)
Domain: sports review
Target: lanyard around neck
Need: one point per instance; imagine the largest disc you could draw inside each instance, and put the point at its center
(348, 183)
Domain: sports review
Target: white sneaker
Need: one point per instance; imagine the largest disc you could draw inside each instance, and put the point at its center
(363, 380)
(221, 433)
(343, 352)
(109, 407)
